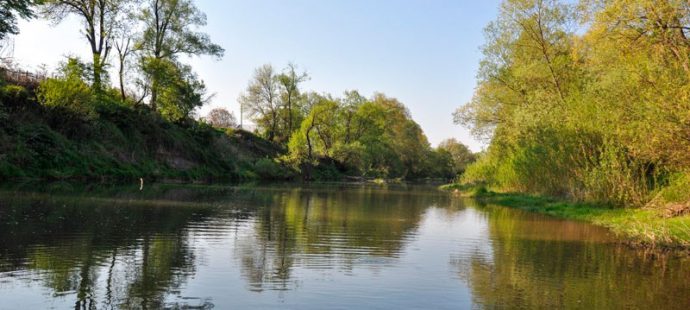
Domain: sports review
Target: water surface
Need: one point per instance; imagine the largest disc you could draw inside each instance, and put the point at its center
(311, 247)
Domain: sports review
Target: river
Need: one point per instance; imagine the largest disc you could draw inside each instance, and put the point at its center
(337, 246)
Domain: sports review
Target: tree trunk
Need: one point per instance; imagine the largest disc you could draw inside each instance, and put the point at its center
(122, 81)
(154, 93)
(97, 71)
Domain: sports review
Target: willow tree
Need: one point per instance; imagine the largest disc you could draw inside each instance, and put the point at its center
(99, 18)
(170, 31)
(527, 97)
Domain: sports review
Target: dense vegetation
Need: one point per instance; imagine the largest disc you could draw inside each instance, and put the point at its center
(370, 137)
(77, 123)
(586, 100)
(108, 139)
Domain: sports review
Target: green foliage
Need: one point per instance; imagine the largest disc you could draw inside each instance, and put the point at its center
(372, 138)
(14, 95)
(9, 11)
(269, 169)
(170, 30)
(598, 114)
(126, 142)
(677, 190)
(640, 226)
(274, 101)
(460, 155)
(69, 90)
(179, 90)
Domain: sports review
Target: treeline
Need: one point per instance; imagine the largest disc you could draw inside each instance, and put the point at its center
(358, 136)
(587, 100)
(142, 41)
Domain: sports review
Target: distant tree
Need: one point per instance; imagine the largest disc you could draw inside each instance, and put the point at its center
(262, 100)
(99, 18)
(124, 43)
(221, 118)
(460, 154)
(9, 11)
(289, 81)
(180, 91)
(350, 104)
(169, 31)
(318, 131)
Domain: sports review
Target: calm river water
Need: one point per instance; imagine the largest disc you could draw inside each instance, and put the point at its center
(311, 247)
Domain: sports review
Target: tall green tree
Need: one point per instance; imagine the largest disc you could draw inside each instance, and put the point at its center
(596, 112)
(460, 154)
(262, 102)
(289, 81)
(180, 92)
(99, 18)
(170, 31)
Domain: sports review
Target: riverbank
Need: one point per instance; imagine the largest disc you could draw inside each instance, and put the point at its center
(643, 226)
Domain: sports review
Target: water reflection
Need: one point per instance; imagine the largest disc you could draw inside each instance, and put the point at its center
(540, 262)
(120, 251)
(321, 246)
(328, 228)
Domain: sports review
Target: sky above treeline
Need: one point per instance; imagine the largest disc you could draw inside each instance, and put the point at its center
(425, 53)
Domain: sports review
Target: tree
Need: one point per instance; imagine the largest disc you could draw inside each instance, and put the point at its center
(350, 104)
(124, 45)
(289, 81)
(180, 90)
(374, 137)
(9, 11)
(169, 31)
(461, 156)
(221, 118)
(99, 17)
(262, 100)
(124, 50)
(69, 90)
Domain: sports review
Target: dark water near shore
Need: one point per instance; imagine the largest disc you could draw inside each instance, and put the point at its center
(312, 247)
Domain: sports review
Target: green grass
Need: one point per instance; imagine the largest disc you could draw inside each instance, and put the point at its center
(125, 142)
(639, 226)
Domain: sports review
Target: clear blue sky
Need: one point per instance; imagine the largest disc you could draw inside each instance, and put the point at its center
(423, 52)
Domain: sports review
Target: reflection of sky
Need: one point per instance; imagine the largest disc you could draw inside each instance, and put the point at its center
(403, 248)
(419, 275)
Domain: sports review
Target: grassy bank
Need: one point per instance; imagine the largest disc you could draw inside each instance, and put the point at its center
(120, 142)
(640, 226)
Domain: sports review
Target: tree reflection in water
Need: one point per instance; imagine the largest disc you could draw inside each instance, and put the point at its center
(540, 262)
(326, 228)
(206, 246)
(111, 250)
(121, 248)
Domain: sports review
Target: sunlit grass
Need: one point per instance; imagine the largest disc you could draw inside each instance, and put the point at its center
(637, 225)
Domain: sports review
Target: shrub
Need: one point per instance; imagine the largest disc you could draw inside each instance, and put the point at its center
(69, 93)
(269, 169)
(14, 95)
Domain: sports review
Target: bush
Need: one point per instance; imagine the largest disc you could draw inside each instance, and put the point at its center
(14, 95)
(269, 169)
(71, 94)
